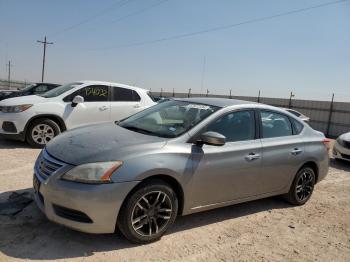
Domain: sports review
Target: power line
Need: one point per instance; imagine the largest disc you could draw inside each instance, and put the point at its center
(139, 11)
(219, 28)
(117, 5)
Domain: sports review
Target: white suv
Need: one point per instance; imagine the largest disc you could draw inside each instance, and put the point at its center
(38, 119)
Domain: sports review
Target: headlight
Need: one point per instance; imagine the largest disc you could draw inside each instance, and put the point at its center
(340, 141)
(15, 109)
(93, 173)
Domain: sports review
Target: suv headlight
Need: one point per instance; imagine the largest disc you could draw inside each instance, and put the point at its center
(15, 109)
(93, 173)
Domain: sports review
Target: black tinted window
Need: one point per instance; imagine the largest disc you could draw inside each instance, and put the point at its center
(235, 126)
(93, 93)
(275, 125)
(124, 94)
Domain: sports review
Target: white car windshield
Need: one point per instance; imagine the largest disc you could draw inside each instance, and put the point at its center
(168, 119)
(60, 90)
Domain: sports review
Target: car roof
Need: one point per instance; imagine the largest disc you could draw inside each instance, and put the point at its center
(45, 83)
(92, 82)
(219, 102)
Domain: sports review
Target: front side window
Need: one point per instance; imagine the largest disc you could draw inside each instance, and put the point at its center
(275, 124)
(168, 119)
(235, 126)
(93, 93)
(125, 95)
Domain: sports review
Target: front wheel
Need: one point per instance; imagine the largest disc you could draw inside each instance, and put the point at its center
(148, 212)
(42, 131)
(302, 187)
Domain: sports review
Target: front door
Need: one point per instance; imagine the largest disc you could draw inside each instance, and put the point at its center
(95, 109)
(231, 171)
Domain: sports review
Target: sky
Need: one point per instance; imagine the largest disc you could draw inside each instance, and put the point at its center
(306, 52)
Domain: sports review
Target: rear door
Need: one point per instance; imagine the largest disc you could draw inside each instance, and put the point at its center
(124, 102)
(282, 151)
(95, 109)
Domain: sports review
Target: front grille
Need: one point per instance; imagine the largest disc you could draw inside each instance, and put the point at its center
(71, 214)
(46, 165)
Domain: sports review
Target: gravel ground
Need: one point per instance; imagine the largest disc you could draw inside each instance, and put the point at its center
(263, 230)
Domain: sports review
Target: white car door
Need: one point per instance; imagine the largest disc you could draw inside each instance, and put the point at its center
(95, 108)
(124, 102)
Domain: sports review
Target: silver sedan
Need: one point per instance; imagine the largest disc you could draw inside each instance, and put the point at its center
(176, 158)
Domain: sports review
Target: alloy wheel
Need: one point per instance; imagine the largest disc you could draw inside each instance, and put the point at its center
(42, 134)
(305, 185)
(151, 213)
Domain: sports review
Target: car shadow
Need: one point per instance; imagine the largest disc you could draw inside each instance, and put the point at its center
(29, 235)
(12, 144)
(340, 164)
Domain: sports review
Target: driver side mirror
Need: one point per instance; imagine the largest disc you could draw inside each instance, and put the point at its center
(77, 100)
(213, 138)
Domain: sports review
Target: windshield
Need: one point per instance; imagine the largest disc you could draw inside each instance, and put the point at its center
(168, 119)
(60, 90)
(27, 88)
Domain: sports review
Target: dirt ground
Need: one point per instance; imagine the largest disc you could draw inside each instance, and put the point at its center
(263, 230)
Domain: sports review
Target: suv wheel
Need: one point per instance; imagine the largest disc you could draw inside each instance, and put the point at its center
(148, 212)
(42, 131)
(302, 187)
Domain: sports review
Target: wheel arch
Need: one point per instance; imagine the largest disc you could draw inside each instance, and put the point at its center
(58, 120)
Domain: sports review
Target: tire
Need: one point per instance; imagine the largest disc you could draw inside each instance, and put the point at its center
(160, 196)
(302, 187)
(49, 130)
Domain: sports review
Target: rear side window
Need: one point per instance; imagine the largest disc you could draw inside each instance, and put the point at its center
(235, 126)
(275, 125)
(93, 93)
(125, 95)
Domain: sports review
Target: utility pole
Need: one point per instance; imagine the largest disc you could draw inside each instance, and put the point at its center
(290, 99)
(230, 93)
(189, 92)
(9, 73)
(203, 74)
(173, 92)
(259, 97)
(44, 43)
(207, 93)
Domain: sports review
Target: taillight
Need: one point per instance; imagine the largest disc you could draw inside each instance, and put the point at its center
(327, 143)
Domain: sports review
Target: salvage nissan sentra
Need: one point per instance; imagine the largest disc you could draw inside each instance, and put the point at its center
(176, 158)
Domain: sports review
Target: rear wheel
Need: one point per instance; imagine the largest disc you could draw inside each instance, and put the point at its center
(302, 186)
(148, 212)
(42, 131)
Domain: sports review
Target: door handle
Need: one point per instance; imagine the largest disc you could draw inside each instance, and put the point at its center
(103, 108)
(296, 151)
(252, 156)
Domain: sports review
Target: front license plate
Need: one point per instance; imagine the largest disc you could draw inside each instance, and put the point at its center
(36, 184)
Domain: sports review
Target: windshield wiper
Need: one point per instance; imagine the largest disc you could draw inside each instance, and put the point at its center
(140, 130)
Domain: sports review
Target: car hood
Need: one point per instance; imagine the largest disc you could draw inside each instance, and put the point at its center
(345, 137)
(101, 142)
(22, 100)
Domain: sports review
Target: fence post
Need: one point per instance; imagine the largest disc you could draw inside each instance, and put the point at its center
(230, 93)
(173, 92)
(259, 97)
(189, 92)
(330, 116)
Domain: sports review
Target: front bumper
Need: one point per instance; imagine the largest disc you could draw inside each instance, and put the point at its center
(19, 120)
(99, 203)
(340, 152)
